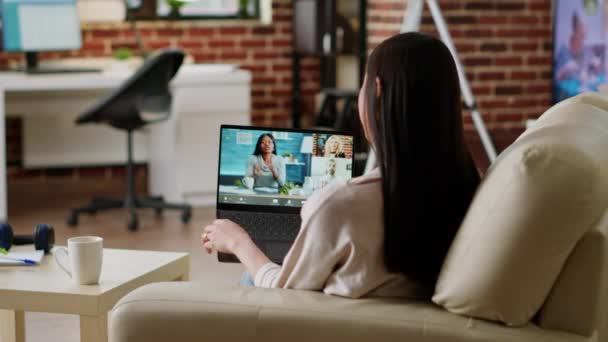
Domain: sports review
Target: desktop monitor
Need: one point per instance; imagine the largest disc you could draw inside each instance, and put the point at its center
(33, 26)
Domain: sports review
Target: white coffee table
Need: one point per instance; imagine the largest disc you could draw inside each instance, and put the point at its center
(46, 288)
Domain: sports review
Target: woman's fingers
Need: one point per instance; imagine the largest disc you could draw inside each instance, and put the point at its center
(208, 245)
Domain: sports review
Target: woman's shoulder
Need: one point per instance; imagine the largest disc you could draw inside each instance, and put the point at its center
(252, 157)
(373, 176)
(342, 196)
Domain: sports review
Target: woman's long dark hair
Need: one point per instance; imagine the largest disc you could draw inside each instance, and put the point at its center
(428, 176)
(258, 151)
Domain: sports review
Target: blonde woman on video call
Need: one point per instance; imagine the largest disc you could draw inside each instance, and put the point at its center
(387, 232)
(334, 147)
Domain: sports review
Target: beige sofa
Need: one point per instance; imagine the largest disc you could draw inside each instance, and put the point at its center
(573, 310)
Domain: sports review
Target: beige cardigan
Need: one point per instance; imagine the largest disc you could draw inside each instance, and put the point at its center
(339, 248)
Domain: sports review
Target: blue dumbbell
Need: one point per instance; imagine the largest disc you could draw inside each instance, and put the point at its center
(43, 237)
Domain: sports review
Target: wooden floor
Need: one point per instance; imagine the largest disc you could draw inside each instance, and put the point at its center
(50, 201)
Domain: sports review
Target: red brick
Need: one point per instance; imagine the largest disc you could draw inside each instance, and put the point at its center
(263, 80)
(481, 90)
(509, 117)
(170, 32)
(480, 5)
(282, 43)
(205, 57)
(105, 34)
(253, 43)
(188, 44)
(510, 6)
(524, 75)
(227, 31)
(263, 30)
(158, 44)
(538, 88)
(477, 61)
(201, 31)
(508, 61)
(265, 55)
(465, 47)
(461, 19)
(263, 104)
(282, 17)
(509, 90)
(232, 55)
(491, 76)
(492, 104)
(511, 33)
(540, 61)
(493, 47)
(224, 43)
(478, 33)
(540, 6)
(281, 67)
(524, 46)
(492, 20)
(254, 67)
(527, 20)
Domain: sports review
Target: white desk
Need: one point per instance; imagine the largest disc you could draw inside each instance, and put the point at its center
(50, 103)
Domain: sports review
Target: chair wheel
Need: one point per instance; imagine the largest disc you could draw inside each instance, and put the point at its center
(133, 224)
(186, 215)
(72, 220)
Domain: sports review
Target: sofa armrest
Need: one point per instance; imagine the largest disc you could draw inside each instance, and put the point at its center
(183, 311)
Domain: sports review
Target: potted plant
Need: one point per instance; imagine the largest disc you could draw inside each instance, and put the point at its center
(175, 5)
(243, 4)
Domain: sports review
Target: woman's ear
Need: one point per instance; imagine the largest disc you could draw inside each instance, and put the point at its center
(378, 87)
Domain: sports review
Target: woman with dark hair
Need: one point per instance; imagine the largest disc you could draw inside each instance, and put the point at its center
(266, 168)
(385, 233)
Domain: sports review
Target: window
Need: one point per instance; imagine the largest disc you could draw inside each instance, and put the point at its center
(201, 9)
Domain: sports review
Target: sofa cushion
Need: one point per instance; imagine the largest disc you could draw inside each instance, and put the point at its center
(183, 311)
(536, 202)
(574, 305)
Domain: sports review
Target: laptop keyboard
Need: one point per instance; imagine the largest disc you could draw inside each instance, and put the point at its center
(266, 226)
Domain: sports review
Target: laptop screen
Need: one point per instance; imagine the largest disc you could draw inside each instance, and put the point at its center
(279, 167)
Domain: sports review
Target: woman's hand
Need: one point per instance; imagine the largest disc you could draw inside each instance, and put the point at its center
(272, 169)
(224, 236)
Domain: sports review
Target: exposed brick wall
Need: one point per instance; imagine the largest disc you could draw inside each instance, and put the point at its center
(265, 50)
(505, 46)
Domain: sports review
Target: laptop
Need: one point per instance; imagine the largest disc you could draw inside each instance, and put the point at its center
(267, 204)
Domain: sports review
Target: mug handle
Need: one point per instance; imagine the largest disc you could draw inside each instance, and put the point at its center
(63, 251)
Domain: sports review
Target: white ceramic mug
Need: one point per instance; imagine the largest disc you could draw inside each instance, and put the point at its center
(248, 181)
(84, 255)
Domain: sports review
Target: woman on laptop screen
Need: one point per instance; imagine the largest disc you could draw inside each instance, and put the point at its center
(264, 166)
(385, 233)
(334, 147)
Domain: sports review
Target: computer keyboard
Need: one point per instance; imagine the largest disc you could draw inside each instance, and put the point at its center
(265, 226)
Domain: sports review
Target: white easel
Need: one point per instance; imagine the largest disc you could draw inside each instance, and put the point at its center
(411, 22)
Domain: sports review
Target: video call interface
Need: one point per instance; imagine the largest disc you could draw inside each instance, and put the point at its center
(280, 168)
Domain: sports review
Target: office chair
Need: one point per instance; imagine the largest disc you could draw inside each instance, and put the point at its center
(141, 100)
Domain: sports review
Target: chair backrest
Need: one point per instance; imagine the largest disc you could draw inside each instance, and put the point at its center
(147, 89)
